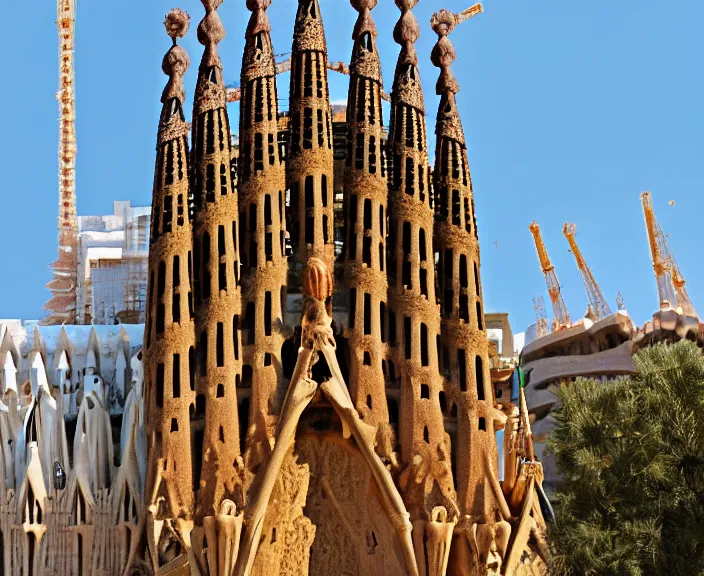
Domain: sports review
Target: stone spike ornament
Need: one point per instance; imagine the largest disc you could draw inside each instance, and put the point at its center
(218, 304)
(170, 335)
(426, 448)
(365, 200)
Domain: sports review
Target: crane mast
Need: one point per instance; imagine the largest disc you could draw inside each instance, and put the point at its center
(541, 318)
(63, 287)
(671, 283)
(66, 22)
(561, 316)
(597, 302)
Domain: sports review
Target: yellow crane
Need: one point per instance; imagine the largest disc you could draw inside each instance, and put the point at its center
(561, 316)
(597, 303)
(671, 283)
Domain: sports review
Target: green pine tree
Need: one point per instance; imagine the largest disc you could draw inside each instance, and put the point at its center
(631, 455)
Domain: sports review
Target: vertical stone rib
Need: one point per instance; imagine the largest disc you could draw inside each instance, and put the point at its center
(411, 266)
(463, 340)
(262, 182)
(169, 335)
(216, 278)
(365, 195)
(309, 165)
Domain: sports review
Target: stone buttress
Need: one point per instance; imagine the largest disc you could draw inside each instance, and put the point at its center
(216, 282)
(170, 335)
(365, 198)
(464, 346)
(262, 182)
(309, 164)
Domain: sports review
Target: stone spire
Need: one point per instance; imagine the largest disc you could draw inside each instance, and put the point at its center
(262, 182)
(216, 279)
(365, 192)
(412, 280)
(170, 336)
(464, 348)
(309, 166)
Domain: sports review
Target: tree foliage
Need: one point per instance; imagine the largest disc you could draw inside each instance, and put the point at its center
(631, 455)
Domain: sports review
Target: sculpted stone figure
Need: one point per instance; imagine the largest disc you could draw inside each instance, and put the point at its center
(317, 338)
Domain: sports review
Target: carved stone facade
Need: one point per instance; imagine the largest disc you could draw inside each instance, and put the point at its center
(73, 456)
(271, 449)
(307, 455)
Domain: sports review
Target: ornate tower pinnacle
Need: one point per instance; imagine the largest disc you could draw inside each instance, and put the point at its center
(463, 339)
(365, 199)
(412, 284)
(169, 336)
(309, 166)
(218, 303)
(262, 227)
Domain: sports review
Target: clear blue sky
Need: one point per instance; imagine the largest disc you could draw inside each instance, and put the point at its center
(571, 109)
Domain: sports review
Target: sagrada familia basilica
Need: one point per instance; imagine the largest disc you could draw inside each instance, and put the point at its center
(233, 442)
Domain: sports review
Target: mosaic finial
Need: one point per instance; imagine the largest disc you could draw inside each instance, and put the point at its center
(210, 33)
(364, 23)
(259, 21)
(443, 55)
(176, 60)
(176, 23)
(407, 32)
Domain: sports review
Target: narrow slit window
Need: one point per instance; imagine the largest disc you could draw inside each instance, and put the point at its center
(382, 320)
(407, 336)
(480, 320)
(267, 210)
(367, 313)
(176, 376)
(192, 368)
(267, 313)
(424, 344)
(462, 369)
(235, 335)
(410, 176)
(479, 373)
(220, 345)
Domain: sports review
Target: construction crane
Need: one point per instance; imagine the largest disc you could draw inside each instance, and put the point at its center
(62, 304)
(541, 318)
(598, 306)
(561, 316)
(284, 65)
(671, 283)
